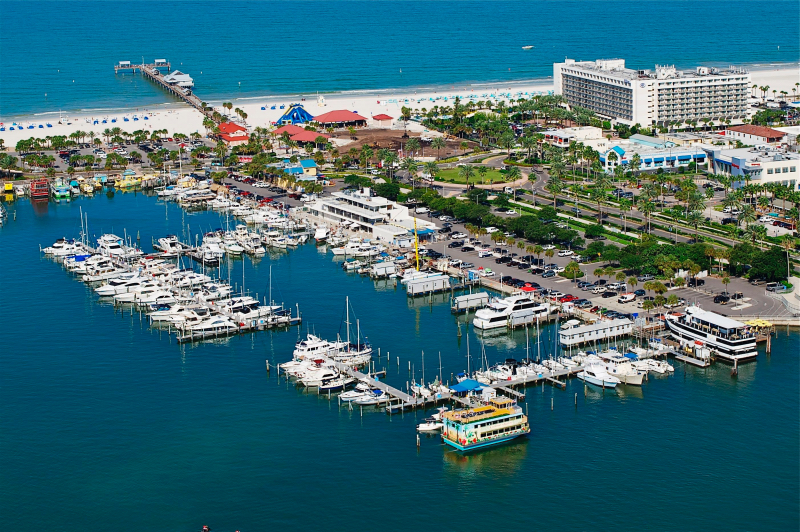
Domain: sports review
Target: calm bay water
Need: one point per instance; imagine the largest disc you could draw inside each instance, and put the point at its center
(105, 424)
(59, 55)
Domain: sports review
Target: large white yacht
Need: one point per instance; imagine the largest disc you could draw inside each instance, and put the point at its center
(727, 338)
(514, 309)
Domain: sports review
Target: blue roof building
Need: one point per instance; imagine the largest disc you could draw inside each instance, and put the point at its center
(295, 115)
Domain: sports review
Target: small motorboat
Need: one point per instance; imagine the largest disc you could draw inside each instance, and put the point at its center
(430, 425)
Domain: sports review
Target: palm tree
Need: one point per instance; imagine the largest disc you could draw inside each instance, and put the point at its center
(438, 143)
(466, 172)
(537, 250)
(410, 165)
(366, 155)
(482, 171)
(464, 146)
(513, 173)
(647, 208)
(788, 243)
(431, 168)
(695, 218)
(572, 269)
(412, 146)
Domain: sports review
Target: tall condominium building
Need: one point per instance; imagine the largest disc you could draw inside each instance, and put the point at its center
(660, 96)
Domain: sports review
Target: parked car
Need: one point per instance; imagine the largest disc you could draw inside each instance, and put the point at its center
(639, 292)
(609, 293)
(583, 303)
(548, 273)
(456, 244)
(695, 282)
(721, 299)
(565, 253)
(644, 278)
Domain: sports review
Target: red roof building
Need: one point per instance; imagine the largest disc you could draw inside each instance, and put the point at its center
(382, 117)
(234, 140)
(341, 118)
(308, 136)
(290, 129)
(749, 132)
(230, 128)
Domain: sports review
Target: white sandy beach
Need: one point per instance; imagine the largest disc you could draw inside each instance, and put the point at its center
(368, 104)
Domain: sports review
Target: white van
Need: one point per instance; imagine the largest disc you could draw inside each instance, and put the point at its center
(626, 298)
(422, 210)
(598, 289)
(484, 253)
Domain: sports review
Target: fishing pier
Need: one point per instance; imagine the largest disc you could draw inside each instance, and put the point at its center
(176, 83)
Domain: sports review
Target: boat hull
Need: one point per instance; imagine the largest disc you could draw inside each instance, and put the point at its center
(596, 381)
(482, 445)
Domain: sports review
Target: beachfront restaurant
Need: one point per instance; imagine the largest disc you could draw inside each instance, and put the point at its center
(340, 119)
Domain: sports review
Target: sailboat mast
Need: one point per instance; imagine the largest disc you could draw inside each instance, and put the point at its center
(538, 341)
(468, 374)
(347, 319)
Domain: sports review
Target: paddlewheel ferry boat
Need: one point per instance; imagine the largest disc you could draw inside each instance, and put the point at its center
(40, 188)
(496, 421)
(727, 338)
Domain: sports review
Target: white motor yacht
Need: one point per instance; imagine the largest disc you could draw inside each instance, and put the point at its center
(214, 325)
(621, 368)
(596, 374)
(375, 397)
(321, 233)
(514, 309)
(120, 285)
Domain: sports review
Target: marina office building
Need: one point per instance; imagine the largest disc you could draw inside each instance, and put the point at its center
(647, 97)
(385, 219)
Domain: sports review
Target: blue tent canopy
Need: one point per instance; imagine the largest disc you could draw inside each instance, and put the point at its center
(467, 385)
(295, 115)
(632, 356)
(423, 231)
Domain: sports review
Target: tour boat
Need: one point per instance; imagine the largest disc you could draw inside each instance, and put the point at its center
(495, 421)
(725, 337)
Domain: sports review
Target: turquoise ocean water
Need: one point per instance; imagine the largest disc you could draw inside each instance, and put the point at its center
(107, 425)
(59, 55)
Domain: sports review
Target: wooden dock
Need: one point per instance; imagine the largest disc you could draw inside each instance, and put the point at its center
(152, 72)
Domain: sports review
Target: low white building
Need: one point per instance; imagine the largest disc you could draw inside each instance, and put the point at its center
(176, 77)
(755, 135)
(384, 219)
(758, 165)
(563, 137)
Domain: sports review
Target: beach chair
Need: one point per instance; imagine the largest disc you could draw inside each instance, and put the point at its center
(144, 118)
(126, 119)
(273, 107)
(105, 121)
(2, 129)
(113, 120)
(31, 127)
(283, 106)
(41, 126)
(135, 119)
(263, 108)
(49, 124)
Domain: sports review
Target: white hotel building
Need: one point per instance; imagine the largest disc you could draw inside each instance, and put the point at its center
(649, 97)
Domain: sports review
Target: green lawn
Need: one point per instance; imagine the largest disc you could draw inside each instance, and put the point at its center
(450, 175)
